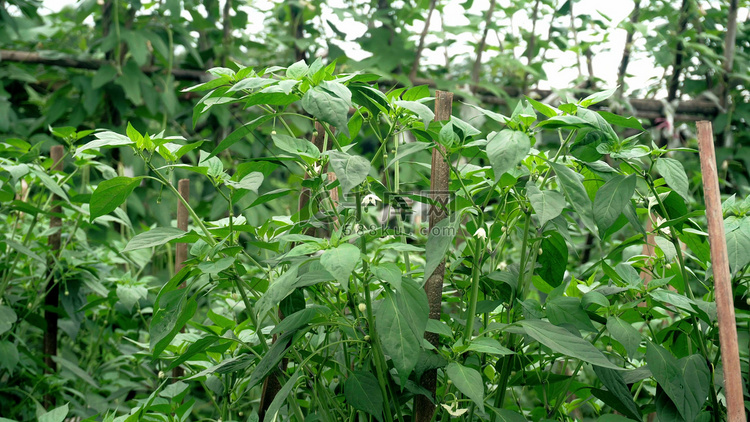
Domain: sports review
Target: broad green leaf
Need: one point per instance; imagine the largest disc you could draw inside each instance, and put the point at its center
(104, 139)
(249, 84)
(568, 310)
(8, 356)
(619, 396)
(597, 97)
(438, 241)
(277, 290)
(407, 150)
(194, 349)
(686, 381)
(629, 275)
(421, 110)
(575, 193)
(625, 334)
(340, 262)
(674, 174)
(110, 194)
(506, 415)
(153, 237)
(488, 345)
(553, 259)
(506, 149)
(542, 108)
(240, 133)
(57, 414)
(327, 107)
(563, 341)
(250, 182)
(173, 312)
(738, 246)
(362, 392)
(50, 184)
(213, 164)
(413, 301)
(351, 170)
(79, 373)
(271, 359)
(627, 122)
(389, 272)
(7, 318)
(611, 199)
(468, 381)
(399, 341)
(297, 147)
(298, 70)
(547, 204)
(300, 318)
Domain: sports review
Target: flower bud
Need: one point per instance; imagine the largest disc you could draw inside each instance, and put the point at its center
(362, 307)
(669, 266)
(273, 132)
(162, 375)
(540, 251)
(502, 265)
(609, 347)
(367, 338)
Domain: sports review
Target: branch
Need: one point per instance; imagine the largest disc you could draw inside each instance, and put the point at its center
(90, 64)
(480, 47)
(422, 36)
(628, 47)
(674, 82)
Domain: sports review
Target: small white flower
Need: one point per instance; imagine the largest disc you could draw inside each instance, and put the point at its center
(317, 168)
(665, 230)
(370, 199)
(502, 265)
(162, 375)
(480, 233)
(454, 410)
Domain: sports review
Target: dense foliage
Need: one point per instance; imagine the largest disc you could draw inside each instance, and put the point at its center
(577, 276)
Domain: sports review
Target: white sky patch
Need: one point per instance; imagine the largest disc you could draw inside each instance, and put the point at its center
(560, 66)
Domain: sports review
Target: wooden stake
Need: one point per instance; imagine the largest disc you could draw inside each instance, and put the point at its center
(439, 185)
(730, 354)
(52, 298)
(180, 250)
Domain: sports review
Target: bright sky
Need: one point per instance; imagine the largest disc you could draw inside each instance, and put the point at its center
(560, 67)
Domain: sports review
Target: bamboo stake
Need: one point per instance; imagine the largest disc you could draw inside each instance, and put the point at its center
(180, 250)
(52, 298)
(439, 185)
(730, 355)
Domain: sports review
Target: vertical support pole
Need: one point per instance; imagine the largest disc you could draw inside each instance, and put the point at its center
(180, 250)
(730, 354)
(52, 298)
(439, 188)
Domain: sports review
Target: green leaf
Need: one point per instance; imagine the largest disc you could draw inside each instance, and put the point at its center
(104, 139)
(575, 193)
(611, 199)
(399, 341)
(542, 108)
(153, 237)
(506, 415)
(7, 318)
(619, 396)
(487, 345)
(249, 84)
(250, 182)
(629, 122)
(240, 133)
(351, 170)
(686, 381)
(407, 150)
(57, 414)
(271, 359)
(50, 184)
(674, 175)
(438, 241)
(413, 302)
(554, 259)
(506, 149)
(362, 392)
(213, 164)
(340, 262)
(468, 381)
(563, 341)
(110, 194)
(568, 310)
(8, 356)
(597, 97)
(738, 246)
(547, 204)
(327, 107)
(173, 312)
(421, 110)
(103, 76)
(625, 334)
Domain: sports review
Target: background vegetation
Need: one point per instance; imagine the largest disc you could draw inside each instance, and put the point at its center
(128, 66)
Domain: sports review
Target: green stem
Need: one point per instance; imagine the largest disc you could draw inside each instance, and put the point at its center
(472, 311)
